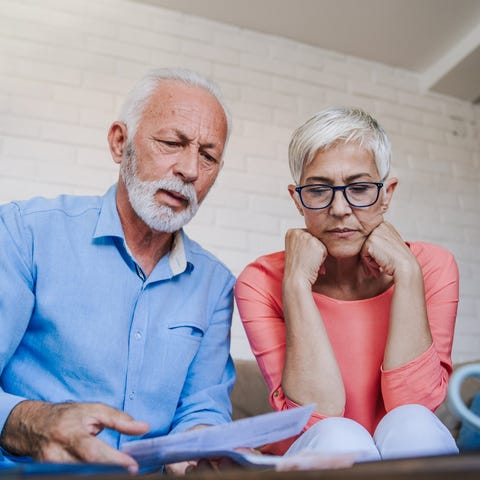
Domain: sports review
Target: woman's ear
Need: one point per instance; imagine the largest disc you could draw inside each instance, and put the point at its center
(117, 139)
(390, 185)
(295, 198)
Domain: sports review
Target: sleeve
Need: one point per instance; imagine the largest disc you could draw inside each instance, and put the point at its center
(258, 297)
(205, 397)
(424, 380)
(16, 294)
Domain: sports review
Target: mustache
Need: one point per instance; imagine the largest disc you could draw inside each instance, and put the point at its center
(177, 186)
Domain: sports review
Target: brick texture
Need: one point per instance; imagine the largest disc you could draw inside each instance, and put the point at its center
(65, 66)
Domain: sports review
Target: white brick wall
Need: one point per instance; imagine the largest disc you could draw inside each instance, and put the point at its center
(65, 66)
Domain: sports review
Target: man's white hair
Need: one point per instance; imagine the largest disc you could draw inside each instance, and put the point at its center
(334, 126)
(137, 99)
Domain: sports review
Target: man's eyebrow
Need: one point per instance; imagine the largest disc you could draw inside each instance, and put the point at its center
(329, 181)
(208, 145)
(185, 139)
(181, 136)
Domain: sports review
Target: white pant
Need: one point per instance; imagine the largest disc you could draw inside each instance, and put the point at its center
(406, 431)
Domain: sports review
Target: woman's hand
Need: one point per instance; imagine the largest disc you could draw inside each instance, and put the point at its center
(304, 256)
(384, 251)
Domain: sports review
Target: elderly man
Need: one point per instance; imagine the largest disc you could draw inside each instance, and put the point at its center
(114, 322)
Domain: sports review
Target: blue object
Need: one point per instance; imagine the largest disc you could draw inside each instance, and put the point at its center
(70, 469)
(455, 400)
(468, 436)
(81, 322)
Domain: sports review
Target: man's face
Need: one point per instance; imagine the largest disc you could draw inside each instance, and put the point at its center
(175, 155)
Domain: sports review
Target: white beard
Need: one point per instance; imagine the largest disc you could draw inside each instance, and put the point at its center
(141, 194)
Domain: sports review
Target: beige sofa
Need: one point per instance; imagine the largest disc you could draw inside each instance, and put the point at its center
(250, 395)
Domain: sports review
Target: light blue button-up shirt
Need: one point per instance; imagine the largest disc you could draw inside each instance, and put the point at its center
(79, 321)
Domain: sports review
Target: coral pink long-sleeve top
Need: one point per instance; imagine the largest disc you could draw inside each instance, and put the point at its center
(357, 331)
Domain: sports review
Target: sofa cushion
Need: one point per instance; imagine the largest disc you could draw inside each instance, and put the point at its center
(250, 394)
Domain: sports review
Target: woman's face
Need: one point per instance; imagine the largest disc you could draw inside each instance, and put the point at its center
(340, 227)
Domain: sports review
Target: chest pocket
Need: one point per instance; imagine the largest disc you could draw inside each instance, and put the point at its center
(187, 328)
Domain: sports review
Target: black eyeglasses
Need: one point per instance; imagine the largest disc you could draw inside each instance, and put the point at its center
(358, 194)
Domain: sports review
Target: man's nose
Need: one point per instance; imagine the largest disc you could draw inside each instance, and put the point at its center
(186, 165)
(339, 205)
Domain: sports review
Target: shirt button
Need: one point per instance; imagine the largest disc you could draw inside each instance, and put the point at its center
(275, 393)
(138, 334)
(131, 396)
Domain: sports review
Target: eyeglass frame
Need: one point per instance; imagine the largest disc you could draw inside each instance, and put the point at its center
(341, 188)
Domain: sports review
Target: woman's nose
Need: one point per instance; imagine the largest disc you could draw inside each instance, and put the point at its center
(339, 205)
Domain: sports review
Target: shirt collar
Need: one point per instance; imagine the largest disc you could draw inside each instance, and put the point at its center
(178, 258)
(109, 225)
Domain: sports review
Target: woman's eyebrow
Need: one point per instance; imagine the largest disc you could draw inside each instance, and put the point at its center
(329, 181)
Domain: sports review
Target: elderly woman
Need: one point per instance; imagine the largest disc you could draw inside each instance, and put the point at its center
(351, 317)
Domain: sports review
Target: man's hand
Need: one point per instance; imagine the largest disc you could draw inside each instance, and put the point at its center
(222, 463)
(181, 468)
(66, 432)
(207, 464)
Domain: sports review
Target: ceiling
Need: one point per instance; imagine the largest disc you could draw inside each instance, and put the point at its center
(438, 39)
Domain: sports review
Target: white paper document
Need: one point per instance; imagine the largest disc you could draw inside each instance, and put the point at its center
(222, 440)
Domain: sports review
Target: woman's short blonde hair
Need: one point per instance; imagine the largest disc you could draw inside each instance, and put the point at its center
(335, 125)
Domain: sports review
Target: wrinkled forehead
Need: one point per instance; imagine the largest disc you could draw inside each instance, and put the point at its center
(341, 160)
(356, 150)
(174, 101)
(171, 92)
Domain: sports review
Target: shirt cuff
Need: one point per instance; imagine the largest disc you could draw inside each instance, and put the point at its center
(418, 381)
(279, 401)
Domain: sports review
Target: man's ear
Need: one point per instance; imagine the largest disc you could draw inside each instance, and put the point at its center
(390, 185)
(117, 140)
(295, 198)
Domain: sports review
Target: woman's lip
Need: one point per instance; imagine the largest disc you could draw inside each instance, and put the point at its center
(342, 232)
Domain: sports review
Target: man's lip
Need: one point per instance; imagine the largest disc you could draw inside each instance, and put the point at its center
(176, 195)
(173, 199)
